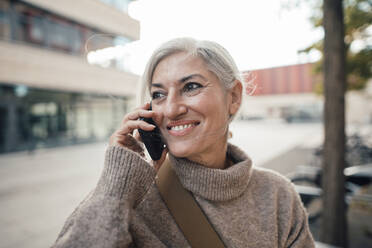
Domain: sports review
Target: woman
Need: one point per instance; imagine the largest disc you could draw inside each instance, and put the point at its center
(195, 91)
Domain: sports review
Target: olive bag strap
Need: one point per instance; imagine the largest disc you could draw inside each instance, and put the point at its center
(185, 210)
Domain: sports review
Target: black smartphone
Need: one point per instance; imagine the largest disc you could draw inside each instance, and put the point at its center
(152, 139)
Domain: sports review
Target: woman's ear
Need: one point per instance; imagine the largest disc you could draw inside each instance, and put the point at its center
(236, 97)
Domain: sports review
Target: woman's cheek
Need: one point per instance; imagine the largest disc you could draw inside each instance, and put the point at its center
(200, 102)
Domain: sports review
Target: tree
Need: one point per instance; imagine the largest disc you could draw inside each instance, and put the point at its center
(358, 24)
(334, 225)
(340, 34)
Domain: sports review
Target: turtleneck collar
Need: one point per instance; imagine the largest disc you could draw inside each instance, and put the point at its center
(215, 184)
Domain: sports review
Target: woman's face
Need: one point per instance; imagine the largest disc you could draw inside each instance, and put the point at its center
(191, 105)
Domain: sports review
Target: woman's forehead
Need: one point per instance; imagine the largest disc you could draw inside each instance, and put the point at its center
(179, 66)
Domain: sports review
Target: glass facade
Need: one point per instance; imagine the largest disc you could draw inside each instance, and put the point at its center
(24, 23)
(31, 118)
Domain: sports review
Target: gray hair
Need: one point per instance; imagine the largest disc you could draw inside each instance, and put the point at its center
(216, 57)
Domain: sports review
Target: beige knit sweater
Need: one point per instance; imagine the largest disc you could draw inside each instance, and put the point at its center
(248, 206)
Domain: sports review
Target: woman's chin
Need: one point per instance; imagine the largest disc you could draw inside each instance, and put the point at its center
(180, 151)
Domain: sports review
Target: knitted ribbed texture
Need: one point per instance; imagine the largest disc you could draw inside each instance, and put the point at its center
(247, 206)
(215, 184)
(125, 174)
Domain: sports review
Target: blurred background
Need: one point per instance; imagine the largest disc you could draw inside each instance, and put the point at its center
(70, 70)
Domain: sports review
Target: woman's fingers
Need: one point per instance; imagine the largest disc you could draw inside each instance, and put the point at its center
(137, 114)
(130, 126)
(120, 136)
(131, 122)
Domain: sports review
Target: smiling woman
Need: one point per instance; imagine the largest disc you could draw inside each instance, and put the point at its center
(195, 109)
(195, 90)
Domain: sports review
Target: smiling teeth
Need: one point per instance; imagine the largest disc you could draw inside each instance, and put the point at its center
(178, 128)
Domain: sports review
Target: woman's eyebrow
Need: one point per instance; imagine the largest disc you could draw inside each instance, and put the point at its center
(157, 85)
(182, 80)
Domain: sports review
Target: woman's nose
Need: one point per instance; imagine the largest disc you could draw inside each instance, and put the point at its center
(174, 107)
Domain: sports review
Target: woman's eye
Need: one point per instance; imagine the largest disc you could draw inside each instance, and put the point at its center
(156, 95)
(192, 86)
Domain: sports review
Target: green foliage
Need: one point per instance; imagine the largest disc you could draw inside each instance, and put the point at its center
(358, 30)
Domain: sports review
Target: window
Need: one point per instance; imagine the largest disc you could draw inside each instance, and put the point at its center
(36, 30)
(4, 21)
(64, 36)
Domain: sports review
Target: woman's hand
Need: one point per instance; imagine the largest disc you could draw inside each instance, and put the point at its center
(124, 136)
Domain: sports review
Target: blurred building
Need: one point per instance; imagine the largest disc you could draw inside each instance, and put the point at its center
(282, 92)
(288, 92)
(49, 94)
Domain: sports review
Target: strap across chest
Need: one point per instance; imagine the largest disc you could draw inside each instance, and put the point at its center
(185, 210)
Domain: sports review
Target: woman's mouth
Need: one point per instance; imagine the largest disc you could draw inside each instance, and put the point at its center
(181, 128)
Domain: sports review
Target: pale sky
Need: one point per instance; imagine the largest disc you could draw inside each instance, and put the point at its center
(258, 34)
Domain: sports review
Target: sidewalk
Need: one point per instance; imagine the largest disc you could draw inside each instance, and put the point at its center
(289, 160)
(38, 191)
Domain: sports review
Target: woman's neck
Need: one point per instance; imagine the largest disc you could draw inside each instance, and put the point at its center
(213, 158)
